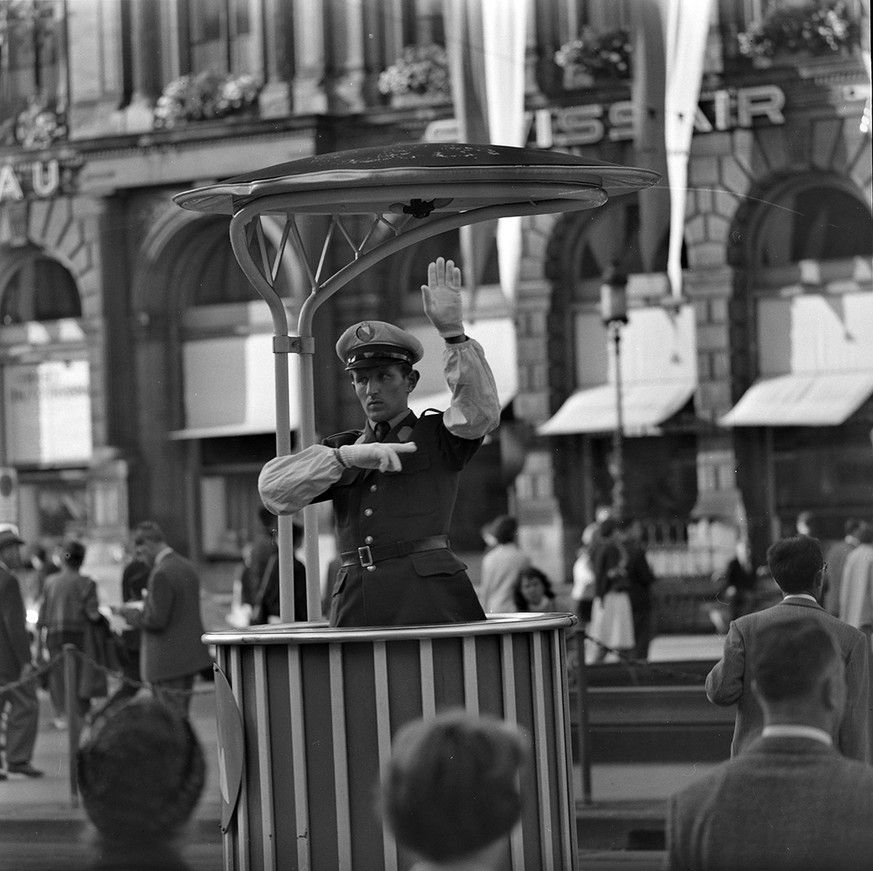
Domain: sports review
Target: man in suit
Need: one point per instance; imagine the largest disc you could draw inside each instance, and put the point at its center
(393, 484)
(789, 800)
(798, 568)
(172, 654)
(16, 663)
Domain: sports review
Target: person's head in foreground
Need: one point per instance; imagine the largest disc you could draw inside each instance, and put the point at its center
(141, 772)
(451, 789)
(797, 565)
(798, 675)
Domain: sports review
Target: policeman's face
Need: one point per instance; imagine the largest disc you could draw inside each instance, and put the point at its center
(383, 391)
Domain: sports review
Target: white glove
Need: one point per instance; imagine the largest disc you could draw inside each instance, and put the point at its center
(442, 298)
(376, 455)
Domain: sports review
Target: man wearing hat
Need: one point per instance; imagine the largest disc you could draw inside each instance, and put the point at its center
(393, 484)
(16, 663)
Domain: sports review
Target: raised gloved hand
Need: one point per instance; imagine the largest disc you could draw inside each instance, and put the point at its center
(375, 455)
(442, 298)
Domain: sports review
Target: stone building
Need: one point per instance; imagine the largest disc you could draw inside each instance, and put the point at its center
(135, 358)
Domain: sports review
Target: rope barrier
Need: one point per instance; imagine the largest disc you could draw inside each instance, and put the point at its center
(643, 664)
(36, 672)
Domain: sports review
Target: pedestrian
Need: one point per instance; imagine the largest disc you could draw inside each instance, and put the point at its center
(451, 791)
(393, 484)
(640, 580)
(172, 652)
(789, 801)
(141, 772)
(584, 581)
(502, 565)
(835, 557)
(134, 583)
(856, 586)
(533, 591)
(19, 703)
(738, 583)
(611, 632)
(265, 607)
(69, 605)
(797, 566)
(807, 524)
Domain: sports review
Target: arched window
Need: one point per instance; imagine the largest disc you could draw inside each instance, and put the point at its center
(38, 289)
(813, 221)
(212, 274)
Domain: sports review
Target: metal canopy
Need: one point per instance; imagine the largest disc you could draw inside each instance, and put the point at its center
(377, 201)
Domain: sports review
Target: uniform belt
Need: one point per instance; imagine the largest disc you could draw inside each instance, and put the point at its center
(370, 554)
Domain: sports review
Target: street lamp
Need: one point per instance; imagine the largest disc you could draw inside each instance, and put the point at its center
(613, 312)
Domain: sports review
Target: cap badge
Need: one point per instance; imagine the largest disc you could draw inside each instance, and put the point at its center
(365, 332)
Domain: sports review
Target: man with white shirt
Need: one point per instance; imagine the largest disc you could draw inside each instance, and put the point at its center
(798, 568)
(789, 800)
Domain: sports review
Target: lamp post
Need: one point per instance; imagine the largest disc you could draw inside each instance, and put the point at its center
(613, 312)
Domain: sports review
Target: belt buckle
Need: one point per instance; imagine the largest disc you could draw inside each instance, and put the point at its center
(365, 556)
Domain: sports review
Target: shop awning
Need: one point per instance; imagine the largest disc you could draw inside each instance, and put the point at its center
(802, 399)
(645, 405)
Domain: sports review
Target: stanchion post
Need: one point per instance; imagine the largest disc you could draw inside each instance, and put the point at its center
(583, 742)
(71, 695)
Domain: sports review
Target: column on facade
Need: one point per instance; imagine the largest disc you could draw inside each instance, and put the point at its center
(97, 86)
(310, 62)
(719, 516)
(278, 67)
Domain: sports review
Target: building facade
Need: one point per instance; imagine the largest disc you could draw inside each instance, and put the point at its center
(135, 358)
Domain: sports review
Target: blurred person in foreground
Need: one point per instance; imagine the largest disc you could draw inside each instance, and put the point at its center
(172, 654)
(856, 585)
(451, 791)
(394, 482)
(19, 706)
(141, 771)
(789, 800)
(798, 568)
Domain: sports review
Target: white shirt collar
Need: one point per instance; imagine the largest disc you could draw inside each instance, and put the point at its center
(800, 596)
(789, 730)
(163, 552)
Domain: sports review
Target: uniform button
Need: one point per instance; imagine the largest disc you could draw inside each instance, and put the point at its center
(371, 568)
(373, 488)
(368, 539)
(368, 512)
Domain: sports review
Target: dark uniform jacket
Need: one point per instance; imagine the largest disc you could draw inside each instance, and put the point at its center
(374, 509)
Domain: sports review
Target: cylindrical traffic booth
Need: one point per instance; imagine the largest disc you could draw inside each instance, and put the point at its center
(306, 716)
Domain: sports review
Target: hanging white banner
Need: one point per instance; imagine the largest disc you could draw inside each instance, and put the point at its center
(687, 26)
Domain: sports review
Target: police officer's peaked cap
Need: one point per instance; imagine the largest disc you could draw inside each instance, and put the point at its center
(375, 343)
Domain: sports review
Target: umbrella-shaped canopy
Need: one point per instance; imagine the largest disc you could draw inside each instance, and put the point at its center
(421, 179)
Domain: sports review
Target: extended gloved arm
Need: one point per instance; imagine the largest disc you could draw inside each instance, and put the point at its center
(288, 483)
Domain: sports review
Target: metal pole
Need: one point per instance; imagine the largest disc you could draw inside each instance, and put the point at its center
(618, 434)
(71, 696)
(583, 737)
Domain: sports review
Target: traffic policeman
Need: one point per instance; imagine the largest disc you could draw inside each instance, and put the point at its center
(394, 483)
